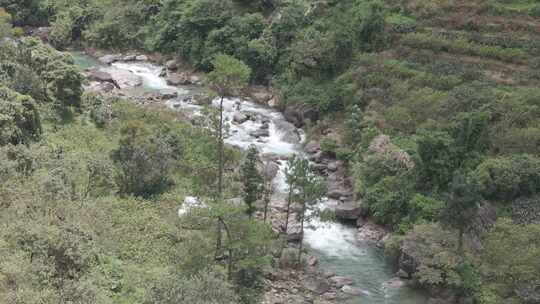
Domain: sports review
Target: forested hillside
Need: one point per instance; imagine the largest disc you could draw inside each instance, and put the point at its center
(432, 105)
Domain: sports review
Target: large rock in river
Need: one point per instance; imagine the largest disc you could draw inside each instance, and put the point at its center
(124, 79)
(348, 210)
(108, 59)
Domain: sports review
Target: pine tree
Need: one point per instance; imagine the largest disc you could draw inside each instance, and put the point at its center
(252, 180)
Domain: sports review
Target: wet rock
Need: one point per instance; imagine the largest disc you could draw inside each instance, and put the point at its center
(125, 79)
(100, 87)
(108, 59)
(350, 290)
(177, 79)
(348, 210)
(129, 58)
(274, 102)
(240, 118)
(312, 261)
(394, 283)
(168, 94)
(402, 274)
(194, 79)
(141, 58)
(317, 285)
(339, 281)
(338, 191)
(260, 133)
(360, 222)
(317, 157)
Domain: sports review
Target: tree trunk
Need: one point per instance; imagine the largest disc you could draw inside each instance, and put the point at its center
(220, 147)
(289, 199)
(229, 239)
(218, 240)
(302, 216)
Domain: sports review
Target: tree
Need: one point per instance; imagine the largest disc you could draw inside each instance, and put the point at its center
(229, 76)
(268, 185)
(252, 180)
(462, 202)
(5, 23)
(305, 188)
(19, 118)
(145, 159)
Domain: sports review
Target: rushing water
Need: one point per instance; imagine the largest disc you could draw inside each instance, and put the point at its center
(335, 244)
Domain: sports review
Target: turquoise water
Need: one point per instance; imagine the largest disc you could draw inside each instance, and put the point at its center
(84, 61)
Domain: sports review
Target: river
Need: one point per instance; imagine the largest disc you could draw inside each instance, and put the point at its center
(335, 244)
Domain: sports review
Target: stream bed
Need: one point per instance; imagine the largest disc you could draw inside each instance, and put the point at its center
(335, 244)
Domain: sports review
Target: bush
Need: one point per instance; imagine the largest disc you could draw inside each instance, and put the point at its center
(19, 118)
(535, 11)
(505, 178)
(145, 159)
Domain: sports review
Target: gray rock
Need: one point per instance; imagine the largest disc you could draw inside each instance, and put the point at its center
(141, 58)
(339, 281)
(335, 165)
(312, 261)
(329, 296)
(108, 59)
(172, 65)
(312, 147)
(350, 290)
(129, 58)
(348, 211)
(177, 79)
(125, 79)
(270, 170)
(100, 76)
(260, 133)
(240, 118)
(317, 285)
(194, 79)
(168, 94)
(403, 274)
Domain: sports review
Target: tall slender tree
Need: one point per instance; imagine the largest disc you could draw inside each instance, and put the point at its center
(228, 77)
(306, 189)
(251, 179)
(462, 202)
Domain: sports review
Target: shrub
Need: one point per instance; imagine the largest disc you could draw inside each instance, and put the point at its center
(508, 177)
(535, 11)
(145, 159)
(19, 118)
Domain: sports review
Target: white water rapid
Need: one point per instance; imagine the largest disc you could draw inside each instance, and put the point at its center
(335, 244)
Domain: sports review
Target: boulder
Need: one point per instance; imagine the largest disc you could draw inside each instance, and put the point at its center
(176, 79)
(352, 291)
(298, 115)
(141, 58)
(111, 58)
(274, 102)
(371, 232)
(100, 76)
(335, 165)
(125, 79)
(312, 261)
(172, 65)
(240, 118)
(316, 285)
(339, 281)
(260, 133)
(194, 79)
(168, 94)
(270, 170)
(129, 58)
(312, 147)
(403, 274)
(348, 211)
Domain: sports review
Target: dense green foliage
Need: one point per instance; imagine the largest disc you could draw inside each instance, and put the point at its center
(437, 103)
(89, 189)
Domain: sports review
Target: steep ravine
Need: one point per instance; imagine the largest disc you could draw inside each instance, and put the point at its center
(335, 244)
